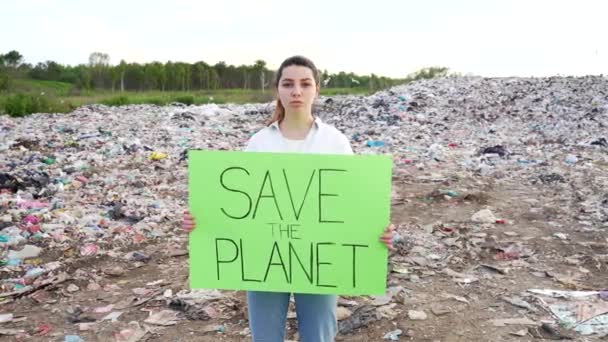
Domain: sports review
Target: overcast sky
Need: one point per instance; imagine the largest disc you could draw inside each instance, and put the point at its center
(390, 38)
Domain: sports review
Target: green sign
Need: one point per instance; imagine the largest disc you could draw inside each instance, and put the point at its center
(304, 223)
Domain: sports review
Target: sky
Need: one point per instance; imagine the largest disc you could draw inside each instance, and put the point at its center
(390, 38)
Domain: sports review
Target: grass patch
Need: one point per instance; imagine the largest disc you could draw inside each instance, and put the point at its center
(51, 88)
(185, 99)
(116, 101)
(23, 104)
(346, 91)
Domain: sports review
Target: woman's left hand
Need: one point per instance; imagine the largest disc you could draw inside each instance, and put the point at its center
(387, 237)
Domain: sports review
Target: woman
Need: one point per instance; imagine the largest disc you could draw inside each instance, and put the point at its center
(293, 128)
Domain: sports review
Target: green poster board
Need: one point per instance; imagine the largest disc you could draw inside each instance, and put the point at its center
(304, 223)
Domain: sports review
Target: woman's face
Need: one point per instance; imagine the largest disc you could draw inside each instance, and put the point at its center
(297, 89)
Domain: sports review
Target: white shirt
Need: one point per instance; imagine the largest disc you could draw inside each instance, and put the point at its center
(294, 145)
(322, 139)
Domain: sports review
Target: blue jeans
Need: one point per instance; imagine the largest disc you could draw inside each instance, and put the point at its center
(268, 312)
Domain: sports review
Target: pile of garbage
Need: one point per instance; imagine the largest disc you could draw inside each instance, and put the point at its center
(99, 179)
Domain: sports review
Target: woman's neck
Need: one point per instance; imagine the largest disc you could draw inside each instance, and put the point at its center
(296, 125)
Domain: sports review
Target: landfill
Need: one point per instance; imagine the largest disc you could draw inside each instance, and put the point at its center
(499, 196)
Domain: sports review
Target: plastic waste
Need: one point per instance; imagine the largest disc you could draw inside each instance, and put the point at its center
(393, 335)
(73, 338)
(375, 143)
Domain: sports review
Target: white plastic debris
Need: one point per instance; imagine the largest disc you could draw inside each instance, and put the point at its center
(483, 216)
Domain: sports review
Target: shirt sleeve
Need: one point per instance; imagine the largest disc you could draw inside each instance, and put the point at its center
(345, 145)
(250, 147)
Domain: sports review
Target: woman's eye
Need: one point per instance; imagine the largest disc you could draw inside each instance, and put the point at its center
(287, 85)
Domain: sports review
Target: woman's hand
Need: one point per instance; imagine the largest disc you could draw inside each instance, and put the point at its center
(188, 223)
(387, 237)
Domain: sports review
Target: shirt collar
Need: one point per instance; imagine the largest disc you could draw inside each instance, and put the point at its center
(316, 123)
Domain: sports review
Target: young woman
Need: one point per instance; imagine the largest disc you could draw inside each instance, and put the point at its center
(293, 128)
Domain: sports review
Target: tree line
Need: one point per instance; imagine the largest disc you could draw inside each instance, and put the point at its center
(99, 74)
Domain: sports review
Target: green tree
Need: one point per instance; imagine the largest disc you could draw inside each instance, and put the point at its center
(200, 71)
(5, 81)
(232, 77)
(430, 72)
(122, 69)
(259, 68)
(12, 59)
(214, 79)
(153, 75)
(69, 74)
(220, 72)
(134, 77)
(325, 78)
(170, 74)
(180, 76)
(243, 71)
(114, 77)
(99, 63)
(84, 80)
(162, 77)
(187, 76)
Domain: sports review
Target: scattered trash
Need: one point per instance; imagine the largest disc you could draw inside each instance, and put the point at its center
(600, 142)
(388, 297)
(87, 326)
(73, 338)
(393, 335)
(116, 271)
(372, 143)
(483, 216)
(90, 198)
(493, 268)
(104, 309)
(133, 333)
(214, 328)
(113, 316)
(156, 156)
(561, 236)
(342, 313)
(28, 251)
(89, 249)
(519, 303)
(137, 256)
(416, 315)
(582, 311)
(72, 288)
(458, 298)
(498, 149)
(547, 331)
(361, 316)
(192, 312)
(512, 321)
(439, 310)
(163, 318)
(460, 277)
(519, 333)
(77, 315)
(43, 329)
(11, 332)
(6, 317)
(571, 159)
(565, 294)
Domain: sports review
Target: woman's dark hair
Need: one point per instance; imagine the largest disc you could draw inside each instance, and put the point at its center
(279, 112)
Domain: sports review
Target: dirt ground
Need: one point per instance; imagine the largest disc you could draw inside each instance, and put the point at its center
(456, 309)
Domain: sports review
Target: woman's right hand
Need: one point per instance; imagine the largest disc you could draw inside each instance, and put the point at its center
(188, 223)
